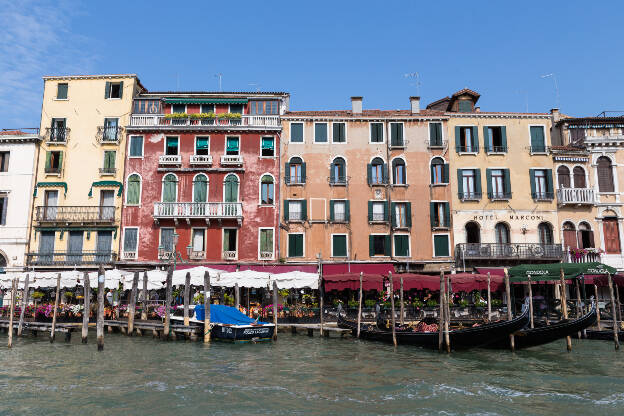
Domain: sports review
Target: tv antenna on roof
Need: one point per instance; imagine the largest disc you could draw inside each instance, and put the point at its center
(554, 77)
(219, 75)
(417, 76)
(255, 84)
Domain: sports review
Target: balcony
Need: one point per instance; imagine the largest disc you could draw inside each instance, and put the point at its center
(499, 196)
(576, 196)
(338, 180)
(266, 255)
(129, 255)
(198, 210)
(246, 121)
(398, 143)
(540, 149)
(56, 135)
(496, 149)
(200, 160)
(583, 255)
(542, 196)
(231, 160)
(520, 251)
(108, 171)
(469, 196)
(67, 258)
(229, 255)
(109, 134)
(197, 255)
(294, 180)
(467, 149)
(75, 214)
(436, 144)
(170, 160)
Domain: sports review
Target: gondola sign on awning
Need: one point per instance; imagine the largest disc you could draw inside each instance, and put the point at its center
(543, 272)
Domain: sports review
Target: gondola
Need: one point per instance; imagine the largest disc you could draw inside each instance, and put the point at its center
(465, 338)
(531, 337)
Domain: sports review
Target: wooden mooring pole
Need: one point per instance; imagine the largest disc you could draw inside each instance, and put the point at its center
(206, 306)
(597, 308)
(512, 342)
(401, 320)
(187, 294)
(441, 313)
(24, 305)
(489, 297)
(166, 326)
(564, 304)
(275, 310)
(132, 303)
(12, 311)
(447, 315)
(359, 320)
(236, 296)
(56, 303)
(616, 339)
(145, 296)
(321, 295)
(392, 312)
(100, 310)
(86, 304)
(531, 302)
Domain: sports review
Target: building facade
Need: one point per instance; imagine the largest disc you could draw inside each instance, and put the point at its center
(18, 155)
(366, 186)
(503, 201)
(202, 177)
(79, 170)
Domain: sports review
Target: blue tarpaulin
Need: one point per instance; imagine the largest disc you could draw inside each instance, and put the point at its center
(224, 315)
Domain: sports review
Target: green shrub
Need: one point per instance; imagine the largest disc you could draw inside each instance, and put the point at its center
(432, 303)
(233, 116)
(369, 303)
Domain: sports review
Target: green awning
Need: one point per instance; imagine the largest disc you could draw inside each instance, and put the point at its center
(267, 144)
(206, 100)
(541, 272)
(107, 183)
(50, 185)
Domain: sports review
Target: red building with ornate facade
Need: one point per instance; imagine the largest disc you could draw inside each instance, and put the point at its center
(202, 177)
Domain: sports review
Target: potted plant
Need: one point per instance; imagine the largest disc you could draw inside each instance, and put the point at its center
(353, 304)
(432, 303)
(370, 303)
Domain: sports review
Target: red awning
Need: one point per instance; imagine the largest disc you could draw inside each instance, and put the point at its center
(601, 280)
(366, 268)
(416, 281)
(352, 281)
(280, 268)
(492, 271)
(467, 282)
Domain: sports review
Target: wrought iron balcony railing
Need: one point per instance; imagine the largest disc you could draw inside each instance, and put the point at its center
(499, 195)
(540, 149)
(496, 149)
(108, 171)
(436, 144)
(199, 210)
(542, 196)
(469, 196)
(266, 255)
(467, 149)
(294, 180)
(56, 135)
(70, 258)
(109, 134)
(510, 251)
(576, 196)
(338, 180)
(75, 214)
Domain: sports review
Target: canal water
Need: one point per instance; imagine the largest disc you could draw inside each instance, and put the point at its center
(301, 375)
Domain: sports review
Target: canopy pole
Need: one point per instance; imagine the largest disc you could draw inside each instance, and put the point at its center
(597, 308)
(145, 297)
(86, 302)
(441, 313)
(617, 302)
(24, 304)
(394, 341)
(616, 340)
(56, 303)
(402, 306)
(100, 311)
(132, 303)
(320, 288)
(447, 315)
(206, 306)
(531, 302)
(512, 342)
(236, 296)
(166, 328)
(11, 312)
(359, 321)
(579, 308)
(489, 298)
(275, 310)
(187, 295)
(586, 306)
(564, 305)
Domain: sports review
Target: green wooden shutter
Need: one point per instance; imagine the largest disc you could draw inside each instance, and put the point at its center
(200, 189)
(504, 137)
(477, 175)
(48, 159)
(304, 210)
(384, 173)
(447, 214)
(445, 173)
(532, 176)
(486, 139)
(121, 89)
(408, 213)
(431, 170)
(370, 210)
(347, 211)
(60, 164)
(488, 178)
(440, 245)
(460, 182)
(107, 90)
(169, 190)
(432, 214)
(433, 134)
(371, 246)
(457, 139)
(303, 172)
(292, 245)
(507, 181)
(387, 245)
(286, 209)
(332, 175)
(386, 211)
(287, 175)
(549, 181)
(369, 173)
(331, 210)
(475, 138)
(109, 159)
(392, 209)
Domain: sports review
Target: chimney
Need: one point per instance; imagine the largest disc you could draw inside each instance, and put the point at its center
(415, 104)
(556, 115)
(477, 109)
(356, 105)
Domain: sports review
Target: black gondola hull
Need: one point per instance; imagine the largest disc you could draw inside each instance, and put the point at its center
(243, 333)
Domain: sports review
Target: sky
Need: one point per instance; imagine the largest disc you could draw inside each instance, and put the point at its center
(323, 52)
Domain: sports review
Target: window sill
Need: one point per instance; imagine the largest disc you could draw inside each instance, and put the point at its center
(401, 228)
(382, 142)
(439, 184)
(495, 153)
(378, 184)
(380, 256)
(337, 184)
(440, 228)
(345, 142)
(295, 221)
(61, 99)
(132, 205)
(468, 153)
(400, 185)
(135, 157)
(266, 205)
(543, 199)
(378, 222)
(113, 98)
(538, 153)
(500, 199)
(339, 222)
(402, 257)
(53, 174)
(296, 184)
(605, 193)
(267, 157)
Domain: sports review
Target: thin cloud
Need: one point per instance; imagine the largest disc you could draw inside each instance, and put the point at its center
(37, 40)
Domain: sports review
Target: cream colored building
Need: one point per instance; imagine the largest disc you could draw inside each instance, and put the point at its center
(79, 172)
(503, 200)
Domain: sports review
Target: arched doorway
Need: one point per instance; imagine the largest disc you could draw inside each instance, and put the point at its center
(473, 233)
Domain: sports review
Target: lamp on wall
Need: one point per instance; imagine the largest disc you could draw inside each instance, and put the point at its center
(524, 229)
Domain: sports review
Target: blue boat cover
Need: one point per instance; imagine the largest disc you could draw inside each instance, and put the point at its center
(224, 315)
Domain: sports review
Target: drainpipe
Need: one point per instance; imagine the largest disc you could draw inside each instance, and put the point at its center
(389, 189)
(32, 205)
(278, 195)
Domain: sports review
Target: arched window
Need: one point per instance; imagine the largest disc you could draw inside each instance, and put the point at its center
(585, 236)
(170, 188)
(473, 233)
(200, 188)
(3, 261)
(569, 235)
(605, 174)
(398, 172)
(579, 177)
(545, 232)
(338, 172)
(267, 190)
(437, 171)
(295, 171)
(564, 176)
(377, 172)
(502, 233)
(133, 190)
(230, 188)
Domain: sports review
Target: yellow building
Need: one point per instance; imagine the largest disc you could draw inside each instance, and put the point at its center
(79, 172)
(503, 201)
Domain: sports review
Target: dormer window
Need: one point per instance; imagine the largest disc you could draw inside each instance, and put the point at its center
(465, 106)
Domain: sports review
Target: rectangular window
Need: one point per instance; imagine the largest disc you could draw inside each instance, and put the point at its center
(294, 211)
(136, 146)
(264, 107)
(268, 147)
(202, 146)
(178, 108)
(465, 106)
(396, 135)
(495, 139)
(541, 184)
(236, 108)
(58, 130)
(54, 162)
(166, 239)
(320, 132)
(468, 184)
(435, 134)
(109, 161)
(207, 108)
(379, 245)
(498, 184)
(4, 206)
(400, 215)
(232, 146)
(378, 211)
(296, 132)
(266, 243)
(172, 148)
(339, 211)
(339, 245)
(131, 239)
(295, 173)
(376, 132)
(611, 235)
(467, 140)
(440, 215)
(441, 245)
(229, 243)
(113, 90)
(198, 240)
(61, 91)
(110, 129)
(50, 202)
(401, 245)
(538, 142)
(376, 176)
(295, 245)
(339, 133)
(4, 161)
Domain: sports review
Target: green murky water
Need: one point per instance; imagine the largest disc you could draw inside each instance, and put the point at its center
(301, 375)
